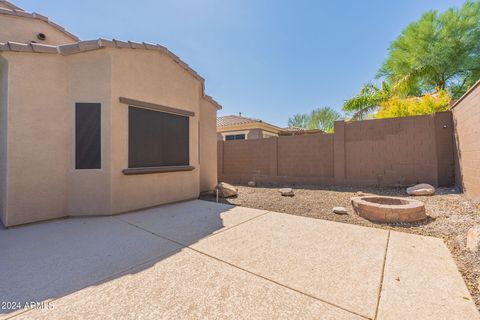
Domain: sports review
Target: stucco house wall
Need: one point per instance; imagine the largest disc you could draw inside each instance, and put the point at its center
(208, 132)
(36, 157)
(26, 29)
(153, 77)
(39, 92)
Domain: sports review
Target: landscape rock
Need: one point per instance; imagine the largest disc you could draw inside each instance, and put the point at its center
(359, 193)
(473, 238)
(287, 192)
(340, 210)
(252, 183)
(226, 190)
(422, 189)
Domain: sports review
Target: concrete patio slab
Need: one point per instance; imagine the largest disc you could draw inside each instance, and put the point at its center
(188, 285)
(421, 281)
(189, 221)
(49, 260)
(235, 263)
(338, 263)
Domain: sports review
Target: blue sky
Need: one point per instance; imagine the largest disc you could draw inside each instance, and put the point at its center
(266, 59)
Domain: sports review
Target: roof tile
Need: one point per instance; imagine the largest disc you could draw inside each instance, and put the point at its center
(88, 45)
(44, 48)
(121, 44)
(6, 11)
(39, 16)
(136, 45)
(67, 49)
(234, 120)
(106, 43)
(17, 46)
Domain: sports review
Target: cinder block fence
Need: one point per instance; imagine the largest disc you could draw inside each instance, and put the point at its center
(387, 152)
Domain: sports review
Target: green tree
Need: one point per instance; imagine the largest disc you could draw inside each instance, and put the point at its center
(439, 51)
(367, 101)
(323, 119)
(298, 120)
(320, 118)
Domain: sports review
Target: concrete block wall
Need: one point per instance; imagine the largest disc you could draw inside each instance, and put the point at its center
(466, 117)
(399, 151)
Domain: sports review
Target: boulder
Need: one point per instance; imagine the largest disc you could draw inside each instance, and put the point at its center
(252, 183)
(226, 190)
(287, 192)
(473, 238)
(422, 189)
(340, 210)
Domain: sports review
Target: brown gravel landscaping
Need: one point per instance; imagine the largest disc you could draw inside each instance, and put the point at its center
(450, 215)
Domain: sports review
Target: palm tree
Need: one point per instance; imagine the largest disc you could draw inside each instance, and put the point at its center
(367, 101)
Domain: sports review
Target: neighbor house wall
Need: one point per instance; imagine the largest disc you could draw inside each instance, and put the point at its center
(25, 30)
(466, 116)
(207, 143)
(153, 77)
(38, 137)
(399, 151)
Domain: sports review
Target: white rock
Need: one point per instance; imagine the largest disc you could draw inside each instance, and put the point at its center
(340, 210)
(473, 238)
(422, 189)
(287, 192)
(226, 190)
(252, 183)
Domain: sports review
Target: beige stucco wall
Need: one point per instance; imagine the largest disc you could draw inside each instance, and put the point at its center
(25, 30)
(38, 137)
(40, 177)
(208, 145)
(89, 190)
(153, 77)
(3, 136)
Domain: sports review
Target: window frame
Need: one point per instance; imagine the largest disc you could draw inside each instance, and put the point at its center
(163, 109)
(76, 136)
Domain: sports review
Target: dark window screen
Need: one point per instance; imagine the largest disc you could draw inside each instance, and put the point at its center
(235, 137)
(157, 139)
(87, 136)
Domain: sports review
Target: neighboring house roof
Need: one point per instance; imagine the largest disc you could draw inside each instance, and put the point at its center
(232, 122)
(89, 45)
(7, 8)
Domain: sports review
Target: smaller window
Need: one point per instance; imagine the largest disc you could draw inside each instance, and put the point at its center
(235, 137)
(88, 136)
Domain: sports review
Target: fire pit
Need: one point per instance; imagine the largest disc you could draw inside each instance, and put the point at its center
(389, 209)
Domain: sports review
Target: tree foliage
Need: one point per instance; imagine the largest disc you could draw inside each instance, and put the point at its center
(367, 101)
(298, 120)
(397, 106)
(439, 51)
(320, 118)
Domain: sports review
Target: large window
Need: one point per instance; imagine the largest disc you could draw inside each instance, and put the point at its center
(157, 139)
(87, 136)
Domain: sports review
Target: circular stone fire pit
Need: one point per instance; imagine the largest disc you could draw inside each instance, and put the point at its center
(389, 209)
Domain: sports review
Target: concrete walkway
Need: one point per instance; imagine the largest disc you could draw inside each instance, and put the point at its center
(201, 260)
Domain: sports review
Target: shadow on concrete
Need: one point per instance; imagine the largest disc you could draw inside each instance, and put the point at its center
(49, 260)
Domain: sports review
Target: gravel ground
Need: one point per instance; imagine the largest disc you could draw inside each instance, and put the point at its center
(450, 213)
